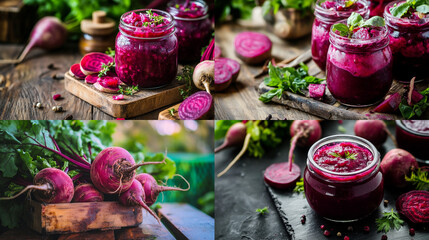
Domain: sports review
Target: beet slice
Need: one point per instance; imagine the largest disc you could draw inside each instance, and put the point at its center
(414, 205)
(415, 97)
(108, 84)
(217, 52)
(226, 72)
(277, 175)
(76, 72)
(317, 91)
(252, 47)
(197, 106)
(91, 63)
(390, 105)
(91, 79)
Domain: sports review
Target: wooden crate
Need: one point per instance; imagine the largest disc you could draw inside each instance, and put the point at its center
(81, 217)
(16, 21)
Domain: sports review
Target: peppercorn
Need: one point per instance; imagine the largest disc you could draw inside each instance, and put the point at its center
(385, 202)
(412, 232)
(338, 234)
(384, 237)
(326, 233)
(346, 238)
(56, 96)
(57, 109)
(322, 227)
(366, 228)
(350, 228)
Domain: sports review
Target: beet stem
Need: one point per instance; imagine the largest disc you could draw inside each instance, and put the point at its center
(293, 145)
(85, 167)
(176, 188)
(146, 207)
(243, 150)
(44, 187)
(142, 164)
(391, 136)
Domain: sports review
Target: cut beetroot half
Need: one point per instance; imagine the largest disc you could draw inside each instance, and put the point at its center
(252, 47)
(92, 62)
(217, 52)
(390, 105)
(414, 205)
(317, 91)
(197, 106)
(91, 79)
(277, 175)
(108, 84)
(76, 72)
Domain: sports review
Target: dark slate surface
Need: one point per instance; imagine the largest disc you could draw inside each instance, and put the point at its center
(242, 190)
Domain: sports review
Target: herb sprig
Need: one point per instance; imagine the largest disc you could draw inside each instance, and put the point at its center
(299, 187)
(347, 155)
(356, 21)
(154, 19)
(106, 68)
(128, 90)
(287, 79)
(389, 220)
(403, 9)
(172, 111)
(262, 211)
(419, 179)
(186, 77)
(417, 109)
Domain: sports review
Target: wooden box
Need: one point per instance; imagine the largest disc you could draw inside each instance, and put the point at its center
(81, 217)
(16, 21)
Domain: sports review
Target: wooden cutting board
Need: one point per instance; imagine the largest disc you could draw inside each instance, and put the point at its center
(329, 108)
(165, 114)
(141, 102)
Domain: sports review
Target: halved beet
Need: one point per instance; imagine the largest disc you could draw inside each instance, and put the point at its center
(414, 205)
(317, 91)
(226, 72)
(108, 84)
(390, 105)
(91, 78)
(91, 63)
(76, 72)
(277, 175)
(416, 97)
(197, 106)
(252, 47)
(217, 52)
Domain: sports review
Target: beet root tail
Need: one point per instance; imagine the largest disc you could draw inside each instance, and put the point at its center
(243, 150)
(44, 187)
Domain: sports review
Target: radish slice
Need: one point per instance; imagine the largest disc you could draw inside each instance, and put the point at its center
(76, 72)
(277, 175)
(252, 47)
(91, 79)
(91, 63)
(414, 205)
(197, 106)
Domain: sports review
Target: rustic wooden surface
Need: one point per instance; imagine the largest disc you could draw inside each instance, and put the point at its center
(32, 81)
(165, 115)
(240, 100)
(131, 106)
(81, 217)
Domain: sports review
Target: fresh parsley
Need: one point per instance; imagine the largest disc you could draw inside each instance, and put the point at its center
(299, 187)
(407, 8)
(105, 68)
(154, 19)
(356, 21)
(419, 179)
(389, 220)
(262, 211)
(287, 79)
(186, 77)
(128, 90)
(417, 109)
(347, 155)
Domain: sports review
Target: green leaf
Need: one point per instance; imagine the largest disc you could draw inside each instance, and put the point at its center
(389, 220)
(262, 211)
(158, 171)
(354, 20)
(342, 28)
(375, 21)
(268, 96)
(400, 10)
(423, 8)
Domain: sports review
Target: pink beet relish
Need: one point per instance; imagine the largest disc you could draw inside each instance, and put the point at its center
(193, 27)
(146, 49)
(342, 180)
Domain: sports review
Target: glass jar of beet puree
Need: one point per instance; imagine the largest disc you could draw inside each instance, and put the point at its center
(413, 136)
(193, 28)
(327, 13)
(146, 49)
(342, 180)
(359, 68)
(376, 7)
(409, 41)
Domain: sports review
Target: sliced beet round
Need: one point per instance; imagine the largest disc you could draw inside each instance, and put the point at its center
(252, 47)
(76, 72)
(92, 62)
(414, 205)
(91, 79)
(108, 84)
(277, 175)
(197, 106)
(226, 72)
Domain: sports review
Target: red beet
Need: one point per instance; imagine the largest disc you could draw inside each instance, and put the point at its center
(374, 131)
(87, 193)
(317, 91)
(279, 176)
(76, 72)
(234, 136)
(92, 78)
(197, 106)
(226, 71)
(397, 164)
(203, 76)
(252, 47)
(415, 97)
(92, 62)
(390, 105)
(217, 52)
(414, 205)
(108, 84)
(311, 132)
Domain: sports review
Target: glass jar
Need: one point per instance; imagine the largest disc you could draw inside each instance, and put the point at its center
(376, 7)
(193, 28)
(146, 55)
(325, 18)
(409, 41)
(359, 71)
(413, 136)
(343, 196)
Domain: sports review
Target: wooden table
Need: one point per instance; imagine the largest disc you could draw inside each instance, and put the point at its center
(37, 79)
(240, 100)
(179, 221)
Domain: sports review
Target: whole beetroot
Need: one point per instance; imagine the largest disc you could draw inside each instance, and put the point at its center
(87, 193)
(396, 164)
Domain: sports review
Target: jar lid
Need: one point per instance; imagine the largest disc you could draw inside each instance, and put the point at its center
(98, 25)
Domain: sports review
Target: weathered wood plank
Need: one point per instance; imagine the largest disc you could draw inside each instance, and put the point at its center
(197, 226)
(148, 230)
(93, 235)
(165, 114)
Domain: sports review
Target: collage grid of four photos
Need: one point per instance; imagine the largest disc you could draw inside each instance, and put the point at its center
(214, 119)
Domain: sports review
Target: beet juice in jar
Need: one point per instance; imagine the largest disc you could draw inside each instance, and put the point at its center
(342, 180)
(146, 49)
(193, 28)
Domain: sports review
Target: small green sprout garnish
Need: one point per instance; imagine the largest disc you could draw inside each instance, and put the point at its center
(403, 9)
(262, 211)
(158, 19)
(177, 6)
(106, 68)
(347, 155)
(128, 90)
(172, 111)
(110, 52)
(389, 220)
(299, 187)
(356, 21)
